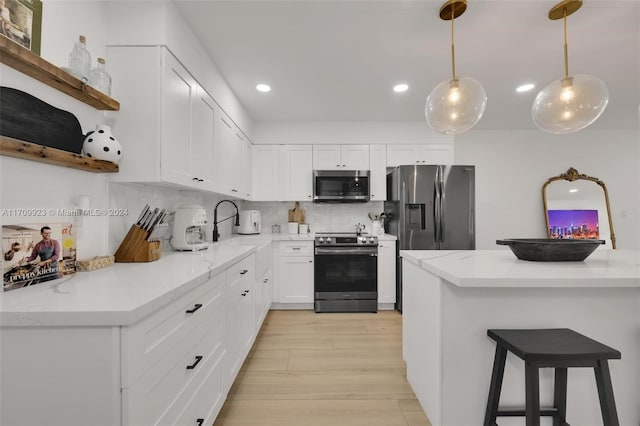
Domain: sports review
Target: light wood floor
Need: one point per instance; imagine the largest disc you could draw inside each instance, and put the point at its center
(308, 369)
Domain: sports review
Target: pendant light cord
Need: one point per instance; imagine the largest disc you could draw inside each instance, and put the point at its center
(453, 51)
(566, 47)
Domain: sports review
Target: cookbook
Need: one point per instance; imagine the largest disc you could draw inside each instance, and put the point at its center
(37, 253)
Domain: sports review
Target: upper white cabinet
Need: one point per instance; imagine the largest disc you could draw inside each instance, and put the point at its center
(265, 173)
(398, 155)
(296, 172)
(247, 170)
(341, 157)
(155, 124)
(203, 135)
(378, 172)
(229, 161)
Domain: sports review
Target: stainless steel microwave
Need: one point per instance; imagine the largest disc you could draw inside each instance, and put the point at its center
(341, 186)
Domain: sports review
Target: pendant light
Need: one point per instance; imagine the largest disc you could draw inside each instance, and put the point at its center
(454, 106)
(573, 103)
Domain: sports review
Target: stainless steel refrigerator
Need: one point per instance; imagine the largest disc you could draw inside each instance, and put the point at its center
(430, 207)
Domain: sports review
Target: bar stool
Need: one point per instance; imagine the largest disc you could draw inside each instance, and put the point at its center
(560, 349)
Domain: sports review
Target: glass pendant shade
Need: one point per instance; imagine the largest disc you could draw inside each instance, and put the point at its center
(454, 106)
(570, 104)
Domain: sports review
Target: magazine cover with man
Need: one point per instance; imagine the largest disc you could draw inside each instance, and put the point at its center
(33, 254)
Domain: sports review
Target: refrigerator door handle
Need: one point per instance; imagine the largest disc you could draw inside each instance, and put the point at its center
(437, 208)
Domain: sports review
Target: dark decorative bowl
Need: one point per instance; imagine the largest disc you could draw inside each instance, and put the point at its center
(550, 250)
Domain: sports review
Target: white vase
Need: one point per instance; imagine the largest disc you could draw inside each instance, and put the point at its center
(101, 145)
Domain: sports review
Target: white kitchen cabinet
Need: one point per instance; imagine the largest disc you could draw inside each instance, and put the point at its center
(265, 173)
(229, 161)
(203, 140)
(293, 278)
(387, 272)
(398, 155)
(240, 324)
(120, 375)
(341, 157)
(378, 172)
(296, 172)
(247, 170)
(156, 124)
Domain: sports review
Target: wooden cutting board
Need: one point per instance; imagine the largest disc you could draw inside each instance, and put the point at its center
(297, 214)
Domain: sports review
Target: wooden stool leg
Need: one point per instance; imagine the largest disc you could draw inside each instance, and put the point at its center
(532, 394)
(605, 392)
(496, 386)
(560, 396)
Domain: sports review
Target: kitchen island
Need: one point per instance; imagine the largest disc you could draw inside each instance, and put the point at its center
(453, 297)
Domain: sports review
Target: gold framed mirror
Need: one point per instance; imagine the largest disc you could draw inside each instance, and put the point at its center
(577, 206)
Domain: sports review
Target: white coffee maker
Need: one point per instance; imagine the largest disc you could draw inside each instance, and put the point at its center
(189, 228)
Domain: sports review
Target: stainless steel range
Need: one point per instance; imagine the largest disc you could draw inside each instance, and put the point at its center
(346, 272)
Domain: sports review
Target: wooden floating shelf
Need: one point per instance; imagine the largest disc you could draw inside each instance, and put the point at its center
(44, 154)
(27, 62)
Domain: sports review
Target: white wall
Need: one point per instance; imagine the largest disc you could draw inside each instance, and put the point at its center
(512, 166)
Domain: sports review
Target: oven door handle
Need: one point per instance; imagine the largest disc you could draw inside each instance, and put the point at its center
(371, 251)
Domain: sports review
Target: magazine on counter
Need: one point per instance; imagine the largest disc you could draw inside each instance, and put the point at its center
(36, 253)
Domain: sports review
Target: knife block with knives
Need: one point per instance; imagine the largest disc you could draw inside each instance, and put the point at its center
(142, 242)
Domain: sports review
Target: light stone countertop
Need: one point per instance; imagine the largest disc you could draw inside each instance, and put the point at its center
(126, 292)
(500, 268)
(120, 294)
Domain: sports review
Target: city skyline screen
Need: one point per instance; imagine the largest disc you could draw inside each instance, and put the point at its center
(574, 224)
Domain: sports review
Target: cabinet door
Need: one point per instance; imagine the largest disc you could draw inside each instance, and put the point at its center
(237, 159)
(378, 172)
(436, 154)
(177, 97)
(296, 279)
(267, 291)
(355, 157)
(387, 272)
(296, 168)
(265, 173)
(327, 157)
(247, 170)
(248, 322)
(229, 158)
(399, 155)
(203, 133)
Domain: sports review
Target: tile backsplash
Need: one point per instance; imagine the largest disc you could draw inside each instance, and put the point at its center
(321, 217)
(133, 197)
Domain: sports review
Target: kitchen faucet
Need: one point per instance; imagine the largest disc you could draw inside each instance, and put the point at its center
(216, 234)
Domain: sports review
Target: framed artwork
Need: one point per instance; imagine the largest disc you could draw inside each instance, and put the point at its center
(574, 224)
(21, 22)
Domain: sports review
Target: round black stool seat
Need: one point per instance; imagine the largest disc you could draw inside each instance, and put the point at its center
(560, 349)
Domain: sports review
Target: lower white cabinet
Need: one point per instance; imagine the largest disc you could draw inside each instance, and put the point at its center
(293, 263)
(240, 325)
(387, 272)
(173, 367)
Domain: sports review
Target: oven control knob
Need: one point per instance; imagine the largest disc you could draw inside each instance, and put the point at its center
(372, 240)
(321, 240)
(328, 239)
(363, 239)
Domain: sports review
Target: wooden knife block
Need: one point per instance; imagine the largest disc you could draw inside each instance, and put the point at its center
(135, 248)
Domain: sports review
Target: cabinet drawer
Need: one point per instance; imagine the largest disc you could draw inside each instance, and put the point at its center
(295, 248)
(164, 391)
(241, 274)
(148, 341)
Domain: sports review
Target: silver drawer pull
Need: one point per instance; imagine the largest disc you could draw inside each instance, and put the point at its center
(244, 271)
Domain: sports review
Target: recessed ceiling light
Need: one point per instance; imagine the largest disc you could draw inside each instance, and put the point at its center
(573, 190)
(399, 88)
(525, 87)
(263, 88)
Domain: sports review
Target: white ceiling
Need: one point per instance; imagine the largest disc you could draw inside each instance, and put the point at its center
(338, 60)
